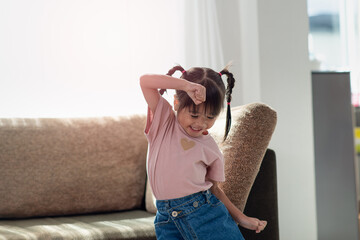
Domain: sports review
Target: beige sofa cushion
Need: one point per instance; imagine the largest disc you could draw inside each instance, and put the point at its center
(250, 134)
(71, 166)
(251, 131)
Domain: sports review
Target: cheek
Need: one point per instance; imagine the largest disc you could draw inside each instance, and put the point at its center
(186, 121)
(210, 123)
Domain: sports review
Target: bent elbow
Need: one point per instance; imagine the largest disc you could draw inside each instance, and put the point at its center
(143, 80)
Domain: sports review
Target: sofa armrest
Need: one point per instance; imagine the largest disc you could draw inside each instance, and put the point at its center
(262, 201)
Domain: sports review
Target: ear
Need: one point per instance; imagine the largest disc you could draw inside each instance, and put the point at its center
(176, 103)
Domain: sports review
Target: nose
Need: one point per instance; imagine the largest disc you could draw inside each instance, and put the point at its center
(202, 122)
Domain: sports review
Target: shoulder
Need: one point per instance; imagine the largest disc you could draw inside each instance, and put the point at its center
(212, 147)
(210, 141)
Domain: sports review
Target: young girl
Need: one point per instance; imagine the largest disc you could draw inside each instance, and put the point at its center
(184, 163)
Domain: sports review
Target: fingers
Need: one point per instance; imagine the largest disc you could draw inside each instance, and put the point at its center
(264, 223)
(199, 97)
(261, 225)
(197, 102)
(253, 224)
(198, 94)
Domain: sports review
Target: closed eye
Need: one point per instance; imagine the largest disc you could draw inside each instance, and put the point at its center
(194, 116)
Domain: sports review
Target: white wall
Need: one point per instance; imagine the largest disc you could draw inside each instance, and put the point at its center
(274, 43)
(268, 42)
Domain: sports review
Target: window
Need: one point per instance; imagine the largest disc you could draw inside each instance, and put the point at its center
(334, 43)
(84, 58)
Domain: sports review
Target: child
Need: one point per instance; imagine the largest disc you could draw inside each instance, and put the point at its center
(184, 163)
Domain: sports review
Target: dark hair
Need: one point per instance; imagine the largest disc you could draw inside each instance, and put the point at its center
(215, 90)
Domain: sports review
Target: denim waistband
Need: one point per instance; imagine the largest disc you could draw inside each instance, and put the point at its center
(184, 205)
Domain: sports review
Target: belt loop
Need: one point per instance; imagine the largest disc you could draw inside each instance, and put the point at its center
(207, 194)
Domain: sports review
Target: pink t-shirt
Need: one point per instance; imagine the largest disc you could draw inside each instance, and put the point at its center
(178, 164)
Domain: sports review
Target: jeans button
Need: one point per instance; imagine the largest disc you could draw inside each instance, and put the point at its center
(196, 204)
(174, 214)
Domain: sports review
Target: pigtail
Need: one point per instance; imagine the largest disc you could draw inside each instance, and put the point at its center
(228, 92)
(171, 72)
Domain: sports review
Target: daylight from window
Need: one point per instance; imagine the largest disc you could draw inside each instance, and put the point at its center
(83, 58)
(334, 43)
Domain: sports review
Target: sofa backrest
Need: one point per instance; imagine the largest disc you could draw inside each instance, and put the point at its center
(71, 166)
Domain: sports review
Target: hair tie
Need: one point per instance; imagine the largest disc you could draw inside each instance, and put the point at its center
(184, 71)
(220, 74)
(228, 103)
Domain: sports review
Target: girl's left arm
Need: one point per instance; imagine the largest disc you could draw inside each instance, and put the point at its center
(238, 216)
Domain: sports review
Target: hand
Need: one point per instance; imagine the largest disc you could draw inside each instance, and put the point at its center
(253, 224)
(196, 92)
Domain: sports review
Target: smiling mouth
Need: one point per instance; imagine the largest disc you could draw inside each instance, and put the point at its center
(195, 129)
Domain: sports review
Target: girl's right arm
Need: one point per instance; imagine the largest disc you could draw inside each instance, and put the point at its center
(150, 83)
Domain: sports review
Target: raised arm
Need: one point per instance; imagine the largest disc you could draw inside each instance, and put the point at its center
(150, 83)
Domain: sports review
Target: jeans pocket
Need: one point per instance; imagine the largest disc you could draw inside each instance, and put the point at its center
(214, 201)
(161, 219)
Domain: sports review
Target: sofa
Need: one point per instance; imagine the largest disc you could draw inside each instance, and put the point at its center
(85, 178)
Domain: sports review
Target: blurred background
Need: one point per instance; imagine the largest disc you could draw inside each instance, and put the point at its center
(334, 38)
(81, 58)
(84, 58)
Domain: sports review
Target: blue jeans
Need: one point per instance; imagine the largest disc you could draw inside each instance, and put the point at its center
(197, 216)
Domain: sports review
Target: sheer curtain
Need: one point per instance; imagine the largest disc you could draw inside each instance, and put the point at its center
(213, 39)
(203, 41)
(84, 58)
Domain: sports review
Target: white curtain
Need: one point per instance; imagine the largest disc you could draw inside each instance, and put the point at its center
(76, 58)
(203, 43)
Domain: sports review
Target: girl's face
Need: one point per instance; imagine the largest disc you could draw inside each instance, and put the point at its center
(195, 123)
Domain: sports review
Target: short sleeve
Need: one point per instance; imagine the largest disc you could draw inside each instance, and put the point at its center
(161, 118)
(215, 170)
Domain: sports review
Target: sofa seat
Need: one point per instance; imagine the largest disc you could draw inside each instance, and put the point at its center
(136, 224)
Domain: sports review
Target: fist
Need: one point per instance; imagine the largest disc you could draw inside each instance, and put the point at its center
(196, 92)
(253, 224)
